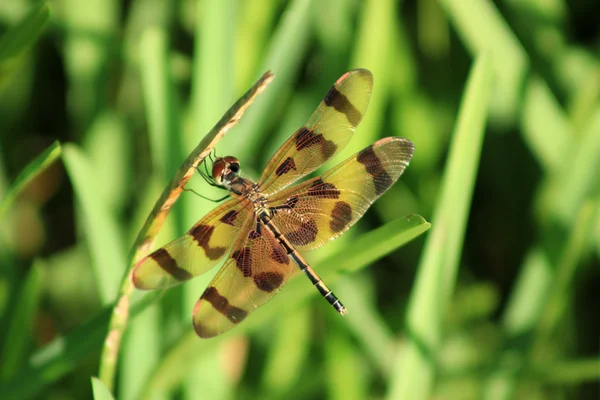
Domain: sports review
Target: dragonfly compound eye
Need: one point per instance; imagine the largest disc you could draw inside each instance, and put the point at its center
(218, 168)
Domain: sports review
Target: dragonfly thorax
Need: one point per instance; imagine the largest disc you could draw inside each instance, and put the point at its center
(226, 171)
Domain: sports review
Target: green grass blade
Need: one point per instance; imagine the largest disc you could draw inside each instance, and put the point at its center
(287, 352)
(520, 318)
(213, 383)
(143, 342)
(545, 126)
(375, 41)
(414, 369)
(160, 103)
(65, 353)
(433, 33)
(366, 323)
(541, 292)
(32, 170)
(212, 85)
(570, 259)
(378, 243)
(109, 138)
(254, 24)
(284, 56)
(535, 307)
(572, 372)
(212, 93)
(100, 391)
(56, 359)
(175, 363)
(101, 228)
(579, 179)
(89, 43)
(523, 307)
(20, 37)
(20, 327)
(482, 28)
(141, 350)
(212, 88)
(342, 360)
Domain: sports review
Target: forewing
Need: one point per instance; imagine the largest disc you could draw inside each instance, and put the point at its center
(257, 269)
(198, 250)
(322, 208)
(327, 132)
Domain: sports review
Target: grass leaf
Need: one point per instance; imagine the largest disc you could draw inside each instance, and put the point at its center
(101, 392)
(413, 375)
(288, 44)
(32, 170)
(379, 242)
(65, 353)
(101, 228)
(20, 37)
(482, 28)
(20, 327)
(159, 98)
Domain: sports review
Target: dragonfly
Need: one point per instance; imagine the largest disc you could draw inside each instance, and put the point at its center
(263, 227)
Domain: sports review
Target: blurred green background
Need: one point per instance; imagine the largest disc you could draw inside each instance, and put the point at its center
(495, 301)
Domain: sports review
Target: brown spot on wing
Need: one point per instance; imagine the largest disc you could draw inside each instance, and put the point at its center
(202, 235)
(336, 99)
(305, 234)
(287, 165)
(229, 218)
(221, 304)
(268, 281)
(323, 190)
(279, 254)
(341, 215)
(302, 136)
(169, 265)
(372, 163)
(243, 260)
(306, 138)
(328, 148)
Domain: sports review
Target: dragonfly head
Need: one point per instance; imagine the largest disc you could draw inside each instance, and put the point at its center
(225, 169)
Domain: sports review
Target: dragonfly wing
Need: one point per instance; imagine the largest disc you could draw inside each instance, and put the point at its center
(327, 132)
(322, 208)
(257, 268)
(194, 253)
